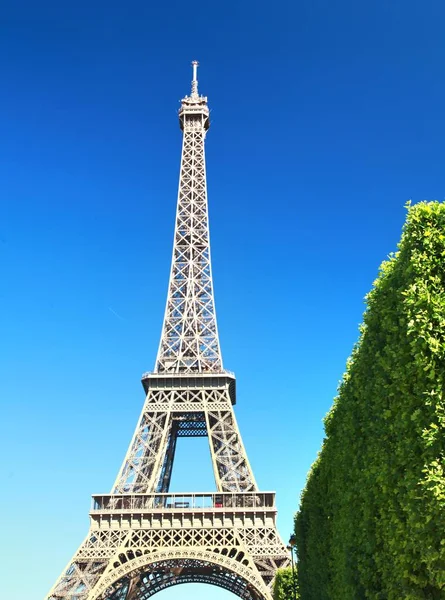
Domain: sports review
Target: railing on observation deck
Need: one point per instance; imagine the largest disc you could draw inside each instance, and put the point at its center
(166, 374)
(183, 502)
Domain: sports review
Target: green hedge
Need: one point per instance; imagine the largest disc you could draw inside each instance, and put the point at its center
(372, 518)
(283, 585)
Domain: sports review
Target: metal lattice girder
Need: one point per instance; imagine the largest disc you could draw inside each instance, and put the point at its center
(143, 539)
(145, 542)
(199, 411)
(189, 341)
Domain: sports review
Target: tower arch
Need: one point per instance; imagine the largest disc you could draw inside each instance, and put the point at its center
(142, 577)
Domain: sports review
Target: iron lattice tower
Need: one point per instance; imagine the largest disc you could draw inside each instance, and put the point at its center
(142, 538)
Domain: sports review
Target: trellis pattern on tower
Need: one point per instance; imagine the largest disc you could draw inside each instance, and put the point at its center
(142, 538)
(189, 341)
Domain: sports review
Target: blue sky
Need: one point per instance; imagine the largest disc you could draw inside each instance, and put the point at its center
(326, 118)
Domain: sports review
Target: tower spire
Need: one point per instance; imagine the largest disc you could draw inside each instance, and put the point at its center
(195, 65)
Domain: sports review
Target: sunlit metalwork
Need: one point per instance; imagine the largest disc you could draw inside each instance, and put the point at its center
(143, 539)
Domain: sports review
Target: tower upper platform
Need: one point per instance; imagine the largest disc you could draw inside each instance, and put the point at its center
(194, 106)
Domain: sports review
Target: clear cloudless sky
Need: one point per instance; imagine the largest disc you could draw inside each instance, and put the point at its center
(326, 118)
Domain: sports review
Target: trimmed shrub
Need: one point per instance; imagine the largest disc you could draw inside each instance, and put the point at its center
(372, 518)
(283, 585)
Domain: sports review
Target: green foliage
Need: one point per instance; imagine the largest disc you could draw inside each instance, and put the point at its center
(372, 517)
(283, 585)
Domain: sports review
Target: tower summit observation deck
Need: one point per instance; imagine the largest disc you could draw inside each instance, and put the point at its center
(142, 537)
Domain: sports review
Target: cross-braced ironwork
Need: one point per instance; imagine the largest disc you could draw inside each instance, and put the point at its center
(189, 341)
(143, 539)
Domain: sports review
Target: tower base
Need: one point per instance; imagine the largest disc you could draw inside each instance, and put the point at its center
(139, 544)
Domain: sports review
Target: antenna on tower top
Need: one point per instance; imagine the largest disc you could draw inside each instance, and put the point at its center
(195, 64)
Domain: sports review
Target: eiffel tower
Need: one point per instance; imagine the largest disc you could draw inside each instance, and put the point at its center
(142, 538)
